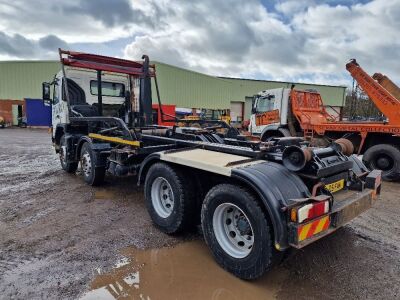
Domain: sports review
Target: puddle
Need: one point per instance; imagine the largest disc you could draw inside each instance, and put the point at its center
(186, 271)
(104, 194)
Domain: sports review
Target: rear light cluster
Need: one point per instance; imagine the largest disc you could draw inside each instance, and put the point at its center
(309, 211)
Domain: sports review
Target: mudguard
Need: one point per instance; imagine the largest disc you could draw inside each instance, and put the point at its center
(61, 129)
(275, 185)
(145, 165)
(271, 127)
(81, 140)
(100, 159)
(275, 127)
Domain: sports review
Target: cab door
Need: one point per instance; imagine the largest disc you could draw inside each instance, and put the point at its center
(266, 112)
(58, 114)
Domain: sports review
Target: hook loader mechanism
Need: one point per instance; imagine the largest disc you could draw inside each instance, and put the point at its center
(254, 200)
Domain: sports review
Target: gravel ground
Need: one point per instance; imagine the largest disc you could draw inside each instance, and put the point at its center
(55, 231)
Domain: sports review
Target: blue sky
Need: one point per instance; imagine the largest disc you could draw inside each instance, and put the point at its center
(291, 40)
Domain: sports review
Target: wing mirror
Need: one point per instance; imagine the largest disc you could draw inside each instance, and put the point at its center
(253, 105)
(46, 92)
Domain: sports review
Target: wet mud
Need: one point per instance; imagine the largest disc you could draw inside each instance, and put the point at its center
(185, 271)
(61, 239)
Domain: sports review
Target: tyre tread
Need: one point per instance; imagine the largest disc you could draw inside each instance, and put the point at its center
(186, 215)
(394, 149)
(267, 262)
(69, 167)
(98, 173)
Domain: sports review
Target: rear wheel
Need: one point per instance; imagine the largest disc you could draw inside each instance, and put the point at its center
(170, 198)
(384, 157)
(67, 166)
(91, 174)
(238, 232)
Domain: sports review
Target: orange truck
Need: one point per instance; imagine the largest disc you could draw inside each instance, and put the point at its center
(291, 112)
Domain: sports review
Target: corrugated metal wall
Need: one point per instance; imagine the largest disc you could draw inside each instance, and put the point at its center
(23, 79)
(191, 89)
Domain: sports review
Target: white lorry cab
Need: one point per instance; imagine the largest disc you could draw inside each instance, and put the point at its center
(270, 112)
(83, 95)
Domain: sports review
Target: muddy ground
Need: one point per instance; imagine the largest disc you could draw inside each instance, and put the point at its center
(56, 233)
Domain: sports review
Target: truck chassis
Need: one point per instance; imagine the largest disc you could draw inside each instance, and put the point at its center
(254, 200)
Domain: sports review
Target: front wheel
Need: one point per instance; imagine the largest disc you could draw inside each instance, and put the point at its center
(384, 157)
(91, 174)
(238, 232)
(66, 165)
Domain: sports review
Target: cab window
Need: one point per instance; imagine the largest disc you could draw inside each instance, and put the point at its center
(265, 104)
(111, 89)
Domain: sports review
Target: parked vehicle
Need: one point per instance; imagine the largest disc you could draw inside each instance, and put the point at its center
(290, 112)
(254, 200)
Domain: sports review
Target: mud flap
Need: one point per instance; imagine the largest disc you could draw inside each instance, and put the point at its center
(352, 210)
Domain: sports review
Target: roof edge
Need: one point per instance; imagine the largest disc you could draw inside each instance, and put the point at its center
(278, 81)
(29, 61)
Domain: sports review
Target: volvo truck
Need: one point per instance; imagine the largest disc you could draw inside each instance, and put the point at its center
(253, 200)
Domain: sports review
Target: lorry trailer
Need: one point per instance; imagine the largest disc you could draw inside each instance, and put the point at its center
(254, 200)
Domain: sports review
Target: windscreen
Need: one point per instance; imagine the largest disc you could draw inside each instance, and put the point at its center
(265, 104)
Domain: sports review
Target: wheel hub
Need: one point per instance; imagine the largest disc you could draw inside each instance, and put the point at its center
(233, 230)
(383, 163)
(162, 197)
(86, 164)
(243, 226)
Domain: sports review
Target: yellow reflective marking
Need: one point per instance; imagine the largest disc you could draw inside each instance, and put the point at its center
(321, 225)
(112, 139)
(304, 231)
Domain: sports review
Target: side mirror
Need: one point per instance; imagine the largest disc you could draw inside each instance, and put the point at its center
(253, 105)
(46, 92)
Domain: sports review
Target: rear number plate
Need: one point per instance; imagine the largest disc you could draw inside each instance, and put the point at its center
(335, 186)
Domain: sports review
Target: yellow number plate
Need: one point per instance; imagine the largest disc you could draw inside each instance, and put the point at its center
(335, 186)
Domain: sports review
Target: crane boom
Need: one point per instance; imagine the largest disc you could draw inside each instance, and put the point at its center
(388, 84)
(383, 100)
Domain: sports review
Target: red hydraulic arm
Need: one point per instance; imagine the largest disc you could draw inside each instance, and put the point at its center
(104, 63)
(383, 100)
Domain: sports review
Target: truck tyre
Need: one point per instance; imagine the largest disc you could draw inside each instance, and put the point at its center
(170, 198)
(384, 157)
(67, 166)
(238, 232)
(91, 174)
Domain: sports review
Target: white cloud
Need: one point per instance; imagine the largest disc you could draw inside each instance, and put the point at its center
(72, 20)
(242, 38)
(290, 40)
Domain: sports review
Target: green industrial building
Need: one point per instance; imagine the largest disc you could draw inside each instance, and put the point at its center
(20, 80)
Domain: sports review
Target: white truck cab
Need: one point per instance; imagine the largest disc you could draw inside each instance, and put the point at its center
(83, 94)
(269, 110)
